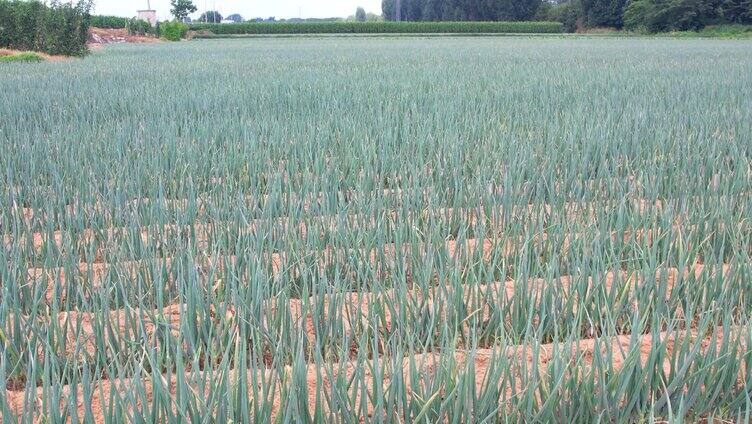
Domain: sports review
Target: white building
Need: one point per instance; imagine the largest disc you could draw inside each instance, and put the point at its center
(148, 15)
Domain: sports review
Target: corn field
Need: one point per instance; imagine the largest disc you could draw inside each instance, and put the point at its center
(426, 230)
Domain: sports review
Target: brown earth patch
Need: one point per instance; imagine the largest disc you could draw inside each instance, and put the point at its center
(99, 36)
(272, 382)
(80, 330)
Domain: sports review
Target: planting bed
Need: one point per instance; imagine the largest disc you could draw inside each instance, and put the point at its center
(379, 230)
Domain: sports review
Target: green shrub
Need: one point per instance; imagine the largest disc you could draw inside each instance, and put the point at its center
(565, 12)
(675, 15)
(139, 27)
(724, 31)
(21, 57)
(109, 22)
(58, 29)
(727, 31)
(174, 31)
(379, 27)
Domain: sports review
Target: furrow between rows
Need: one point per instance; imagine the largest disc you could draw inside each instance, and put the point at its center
(505, 368)
(276, 263)
(356, 312)
(200, 233)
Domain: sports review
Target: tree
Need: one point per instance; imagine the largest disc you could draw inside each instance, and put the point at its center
(737, 11)
(527, 9)
(431, 10)
(388, 10)
(461, 10)
(235, 17)
(567, 12)
(651, 15)
(603, 13)
(360, 14)
(181, 9)
(670, 15)
(210, 16)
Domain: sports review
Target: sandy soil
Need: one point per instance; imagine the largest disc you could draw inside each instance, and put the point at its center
(81, 328)
(278, 262)
(481, 362)
(472, 216)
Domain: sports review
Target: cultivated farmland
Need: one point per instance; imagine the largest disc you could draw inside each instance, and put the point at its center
(452, 230)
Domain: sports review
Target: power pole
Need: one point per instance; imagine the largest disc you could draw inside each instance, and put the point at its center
(399, 11)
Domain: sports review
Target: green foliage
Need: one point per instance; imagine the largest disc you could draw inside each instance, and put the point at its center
(461, 10)
(140, 27)
(379, 27)
(737, 11)
(724, 31)
(602, 13)
(671, 15)
(174, 31)
(236, 17)
(648, 15)
(360, 14)
(59, 28)
(300, 20)
(638, 15)
(180, 9)
(664, 15)
(567, 13)
(109, 22)
(210, 16)
(21, 57)
(727, 31)
(368, 17)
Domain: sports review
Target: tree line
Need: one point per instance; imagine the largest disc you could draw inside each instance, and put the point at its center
(460, 10)
(648, 15)
(57, 28)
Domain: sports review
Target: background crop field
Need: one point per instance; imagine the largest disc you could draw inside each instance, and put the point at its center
(388, 230)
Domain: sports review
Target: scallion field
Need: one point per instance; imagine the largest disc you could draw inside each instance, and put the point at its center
(379, 229)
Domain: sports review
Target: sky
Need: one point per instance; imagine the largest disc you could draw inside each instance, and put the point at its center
(247, 8)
